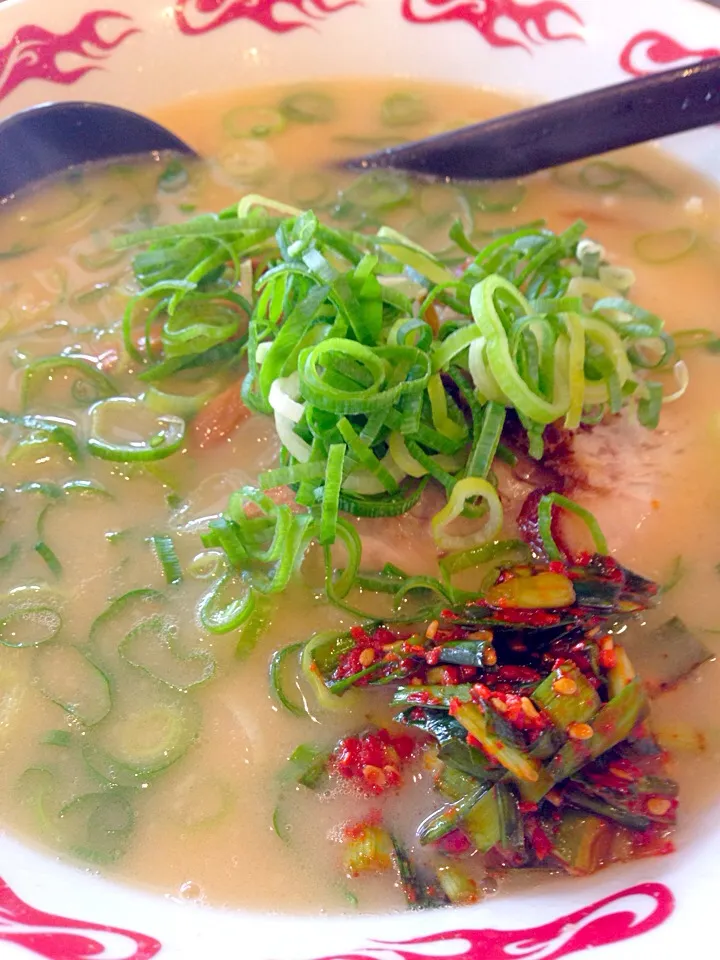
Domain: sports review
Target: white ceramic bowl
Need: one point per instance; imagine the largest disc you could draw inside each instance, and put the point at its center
(140, 53)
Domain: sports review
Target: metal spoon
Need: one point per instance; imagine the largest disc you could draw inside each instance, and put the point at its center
(564, 130)
(47, 139)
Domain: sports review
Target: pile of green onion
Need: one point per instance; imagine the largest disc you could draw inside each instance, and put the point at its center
(383, 368)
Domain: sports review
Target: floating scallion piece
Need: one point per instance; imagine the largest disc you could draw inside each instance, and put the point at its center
(167, 557)
(165, 436)
(666, 246)
(88, 382)
(404, 109)
(308, 106)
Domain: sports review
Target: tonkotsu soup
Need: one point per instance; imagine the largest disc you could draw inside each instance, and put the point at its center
(359, 541)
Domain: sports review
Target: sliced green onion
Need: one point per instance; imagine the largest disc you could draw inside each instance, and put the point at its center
(53, 491)
(413, 255)
(349, 537)
(682, 378)
(178, 404)
(503, 196)
(545, 508)
(393, 505)
(404, 109)
(69, 679)
(276, 679)
(97, 826)
(308, 107)
(378, 190)
(57, 738)
(8, 559)
(255, 626)
(457, 885)
(377, 469)
(223, 619)
(484, 302)
(45, 430)
(477, 720)
(249, 121)
(312, 673)
(145, 740)
(483, 454)
(29, 626)
(470, 488)
(247, 160)
(402, 457)
(174, 177)
(309, 188)
(501, 551)
(449, 818)
(112, 625)
(695, 337)
(167, 557)
(86, 488)
(48, 555)
(168, 438)
(307, 764)
(152, 646)
(650, 405)
(206, 565)
(91, 383)
(423, 584)
(442, 422)
(666, 246)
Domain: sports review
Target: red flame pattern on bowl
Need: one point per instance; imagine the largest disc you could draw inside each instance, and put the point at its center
(33, 52)
(651, 50)
(201, 16)
(619, 917)
(57, 938)
(532, 20)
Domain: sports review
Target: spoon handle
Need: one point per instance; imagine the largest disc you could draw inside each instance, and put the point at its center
(566, 130)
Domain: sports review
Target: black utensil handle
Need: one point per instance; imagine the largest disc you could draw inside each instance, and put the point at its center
(47, 139)
(566, 130)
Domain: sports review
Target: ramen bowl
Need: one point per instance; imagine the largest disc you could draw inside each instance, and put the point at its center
(146, 54)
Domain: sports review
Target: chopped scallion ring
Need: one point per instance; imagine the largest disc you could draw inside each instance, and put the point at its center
(471, 488)
(167, 439)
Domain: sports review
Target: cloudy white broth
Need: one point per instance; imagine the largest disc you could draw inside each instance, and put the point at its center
(222, 692)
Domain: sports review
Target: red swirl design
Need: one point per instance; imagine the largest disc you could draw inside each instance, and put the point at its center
(532, 20)
(57, 938)
(650, 51)
(33, 52)
(619, 917)
(201, 16)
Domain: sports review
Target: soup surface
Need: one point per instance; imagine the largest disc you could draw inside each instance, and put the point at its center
(215, 815)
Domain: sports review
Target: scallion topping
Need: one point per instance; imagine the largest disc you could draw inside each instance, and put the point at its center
(370, 400)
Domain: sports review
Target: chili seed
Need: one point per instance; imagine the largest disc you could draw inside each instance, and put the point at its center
(367, 657)
(432, 630)
(490, 657)
(528, 708)
(499, 705)
(658, 806)
(565, 686)
(374, 776)
(580, 731)
(481, 635)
